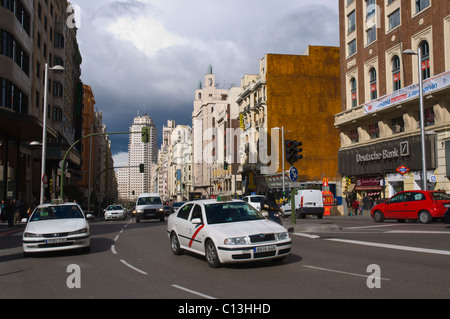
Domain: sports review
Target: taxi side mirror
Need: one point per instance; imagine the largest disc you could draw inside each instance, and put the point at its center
(196, 221)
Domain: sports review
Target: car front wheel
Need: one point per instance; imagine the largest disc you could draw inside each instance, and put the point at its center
(211, 254)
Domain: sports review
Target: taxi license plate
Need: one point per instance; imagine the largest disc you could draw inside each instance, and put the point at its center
(56, 241)
(262, 249)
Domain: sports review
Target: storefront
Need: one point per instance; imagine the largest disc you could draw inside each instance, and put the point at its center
(372, 169)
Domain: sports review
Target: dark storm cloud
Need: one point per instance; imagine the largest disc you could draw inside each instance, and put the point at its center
(148, 56)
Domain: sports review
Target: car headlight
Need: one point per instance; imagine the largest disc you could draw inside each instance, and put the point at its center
(282, 236)
(139, 211)
(236, 241)
(161, 209)
(80, 231)
(28, 235)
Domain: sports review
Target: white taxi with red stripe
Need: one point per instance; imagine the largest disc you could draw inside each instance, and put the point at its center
(227, 231)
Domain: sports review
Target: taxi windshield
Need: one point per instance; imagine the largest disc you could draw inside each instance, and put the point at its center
(231, 212)
(56, 212)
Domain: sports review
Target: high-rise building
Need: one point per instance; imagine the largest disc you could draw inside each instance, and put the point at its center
(139, 153)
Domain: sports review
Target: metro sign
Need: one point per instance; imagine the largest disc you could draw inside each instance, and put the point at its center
(403, 170)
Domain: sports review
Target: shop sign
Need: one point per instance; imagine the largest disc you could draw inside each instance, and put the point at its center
(402, 150)
(368, 182)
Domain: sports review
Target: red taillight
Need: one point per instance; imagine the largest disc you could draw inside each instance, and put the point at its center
(301, 202)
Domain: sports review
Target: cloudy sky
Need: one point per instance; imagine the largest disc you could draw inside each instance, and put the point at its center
(148, 56)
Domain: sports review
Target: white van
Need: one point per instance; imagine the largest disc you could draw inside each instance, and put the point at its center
(307, 202)
(149, 206)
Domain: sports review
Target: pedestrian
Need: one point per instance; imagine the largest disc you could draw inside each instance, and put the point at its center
(355, 206)
(367, 204)
(10, 209)
(3, 211)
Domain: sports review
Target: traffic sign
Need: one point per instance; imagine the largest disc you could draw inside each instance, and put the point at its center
(293, 174)
(45, 179)
(403, 170)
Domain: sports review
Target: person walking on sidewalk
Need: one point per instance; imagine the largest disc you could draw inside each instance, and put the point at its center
(355, 206)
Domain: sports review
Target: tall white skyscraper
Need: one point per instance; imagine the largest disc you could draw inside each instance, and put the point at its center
(135, 181)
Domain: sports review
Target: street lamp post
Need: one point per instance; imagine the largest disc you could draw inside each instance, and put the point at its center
(282, 156)
(44, 127)
(422, 117)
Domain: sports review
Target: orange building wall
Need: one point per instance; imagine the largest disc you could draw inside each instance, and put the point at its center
(303, 94)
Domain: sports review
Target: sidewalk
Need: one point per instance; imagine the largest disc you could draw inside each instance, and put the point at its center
(313, 224)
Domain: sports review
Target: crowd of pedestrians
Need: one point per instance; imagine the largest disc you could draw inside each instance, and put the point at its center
(12, 211)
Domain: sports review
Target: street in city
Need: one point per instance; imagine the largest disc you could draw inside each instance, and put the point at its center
(337, 257)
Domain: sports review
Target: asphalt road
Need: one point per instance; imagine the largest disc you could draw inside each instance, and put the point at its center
(361, 259)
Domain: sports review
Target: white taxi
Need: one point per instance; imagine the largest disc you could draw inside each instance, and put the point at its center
(54, 227)
(226, 232)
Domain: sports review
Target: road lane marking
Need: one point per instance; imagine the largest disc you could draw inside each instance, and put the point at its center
(113, 249)
(340, 272)
(377, 226)
(397, 247)
(132, 267)
(306, 235)
(193, 292)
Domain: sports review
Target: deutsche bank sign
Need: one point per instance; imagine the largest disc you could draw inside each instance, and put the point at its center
(401, 151)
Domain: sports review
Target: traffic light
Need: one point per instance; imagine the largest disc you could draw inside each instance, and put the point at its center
(141, 168)
(145, 131)
(225, 166)
(293, 150)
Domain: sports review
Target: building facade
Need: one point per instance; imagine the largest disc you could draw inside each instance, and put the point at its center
(299, 94)
(208, 153)
(33, 34)
(379, 122)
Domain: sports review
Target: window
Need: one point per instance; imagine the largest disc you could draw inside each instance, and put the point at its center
(373, 84)
(397, 83)
(371, 34)
(59, 40)
(394, 19)
(56, 114)
(421, 4)
(12, 97)
(426, 71)
(352, 47)
(370, 8)
(184, 211)
(374, 131)
(429, 117)
(354, 136)
(351, 22)
(398, 125)
(353, 92)
(58, 89)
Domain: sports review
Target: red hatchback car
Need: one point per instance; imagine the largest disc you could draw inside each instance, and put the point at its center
(422, 205)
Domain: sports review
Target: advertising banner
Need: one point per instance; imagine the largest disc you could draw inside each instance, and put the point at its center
(435, 83)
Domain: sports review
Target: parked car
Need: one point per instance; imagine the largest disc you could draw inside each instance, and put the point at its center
(54, 227)
(425, 206)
